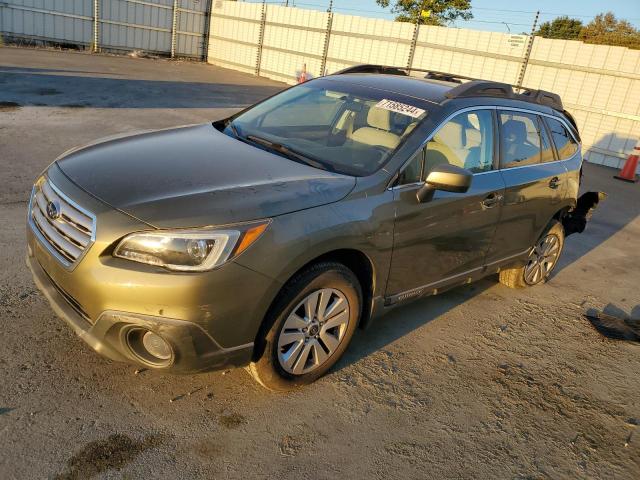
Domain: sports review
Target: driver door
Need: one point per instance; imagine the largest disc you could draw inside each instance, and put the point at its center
(446, 239)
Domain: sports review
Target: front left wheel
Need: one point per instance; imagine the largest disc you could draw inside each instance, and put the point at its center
(311, 325)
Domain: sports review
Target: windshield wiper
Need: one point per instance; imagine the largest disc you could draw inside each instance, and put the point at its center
(287, 151)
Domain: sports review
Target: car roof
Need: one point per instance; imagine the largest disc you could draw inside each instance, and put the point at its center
(449, 87)
(441, 90)
(425, 89)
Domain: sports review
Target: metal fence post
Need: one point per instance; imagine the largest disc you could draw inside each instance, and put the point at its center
(414, 38)
(263, 21)
(527, 54)
(174, 28)
(207, 31)
(327, 38)
(414, 41)
(95, 47)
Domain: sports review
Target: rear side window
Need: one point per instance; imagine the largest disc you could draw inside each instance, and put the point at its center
(564, 142)
(519, 139)
(547, 149)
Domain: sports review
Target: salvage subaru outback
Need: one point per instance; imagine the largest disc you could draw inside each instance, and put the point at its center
(265, 239)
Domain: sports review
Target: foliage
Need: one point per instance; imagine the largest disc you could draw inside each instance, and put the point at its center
(563, 28)
(442, 12)
(606, 29)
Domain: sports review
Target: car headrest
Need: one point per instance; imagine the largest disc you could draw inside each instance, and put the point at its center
(451, 134)
(379, 118)
(514, 131)
(474, 137)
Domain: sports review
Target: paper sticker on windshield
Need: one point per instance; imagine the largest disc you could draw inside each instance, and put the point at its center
(401, 108)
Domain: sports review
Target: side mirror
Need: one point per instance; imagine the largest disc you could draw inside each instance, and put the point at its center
(445, 177)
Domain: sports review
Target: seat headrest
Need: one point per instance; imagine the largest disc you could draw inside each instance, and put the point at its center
(474, 137)
(451, 134)
(379, 118)
(514, 131)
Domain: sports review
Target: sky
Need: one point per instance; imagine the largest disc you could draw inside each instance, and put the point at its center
(493, 14)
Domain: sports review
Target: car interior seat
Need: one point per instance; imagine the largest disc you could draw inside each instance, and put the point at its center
(376, 131)
(446, 146)
(516, 146)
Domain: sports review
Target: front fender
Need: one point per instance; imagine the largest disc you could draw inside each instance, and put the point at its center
(362, 222)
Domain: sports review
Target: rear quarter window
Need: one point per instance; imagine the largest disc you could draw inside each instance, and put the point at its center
(564, 142)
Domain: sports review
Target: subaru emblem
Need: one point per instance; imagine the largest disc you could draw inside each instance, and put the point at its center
(53, 210)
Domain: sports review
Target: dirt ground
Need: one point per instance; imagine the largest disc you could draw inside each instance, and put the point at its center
(480, 382)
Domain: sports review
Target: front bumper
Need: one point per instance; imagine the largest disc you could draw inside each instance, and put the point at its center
(194, 349)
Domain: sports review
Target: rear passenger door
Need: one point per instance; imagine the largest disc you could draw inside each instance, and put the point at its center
(535, 182)
(568, 152)
(446, 239)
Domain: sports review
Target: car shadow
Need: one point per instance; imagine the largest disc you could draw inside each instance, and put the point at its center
(51, 88)
(408, 317)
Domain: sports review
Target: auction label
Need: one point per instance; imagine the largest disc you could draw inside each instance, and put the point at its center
(398, 107)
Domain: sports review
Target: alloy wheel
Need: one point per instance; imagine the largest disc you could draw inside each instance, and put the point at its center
(313, 331)
(542, 259)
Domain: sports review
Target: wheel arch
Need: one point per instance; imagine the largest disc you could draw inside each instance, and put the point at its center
(560, 214)
(355, 260)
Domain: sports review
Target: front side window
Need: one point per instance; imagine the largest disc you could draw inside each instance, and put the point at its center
(519, 139)
(333, 125)
(465, 141)
(412, 172)
(564, 142)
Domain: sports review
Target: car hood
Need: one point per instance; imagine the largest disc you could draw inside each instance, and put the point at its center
(195, 176)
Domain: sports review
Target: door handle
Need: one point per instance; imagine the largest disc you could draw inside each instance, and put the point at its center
(554, 183)
(491, 200)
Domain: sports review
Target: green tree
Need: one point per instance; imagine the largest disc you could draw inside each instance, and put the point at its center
(442, 12)
(606, 29)
(563, 28)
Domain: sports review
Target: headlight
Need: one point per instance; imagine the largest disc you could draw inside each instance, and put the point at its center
(194, 250)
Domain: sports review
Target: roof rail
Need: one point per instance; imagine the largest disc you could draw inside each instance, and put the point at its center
(371, 68)
(384, 69)
(485, 88)
(481, 88)
(543, 97)
(472, 87)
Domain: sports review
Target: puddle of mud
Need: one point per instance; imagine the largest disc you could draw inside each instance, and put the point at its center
(231, 420)
(114, 452)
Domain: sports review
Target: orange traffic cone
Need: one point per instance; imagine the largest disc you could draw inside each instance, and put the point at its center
(302, 76)
(628, 172)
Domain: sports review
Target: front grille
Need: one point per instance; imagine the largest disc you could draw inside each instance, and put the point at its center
(73, 303)
(65, 228)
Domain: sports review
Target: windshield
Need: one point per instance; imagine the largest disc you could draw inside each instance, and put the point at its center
(332, 125)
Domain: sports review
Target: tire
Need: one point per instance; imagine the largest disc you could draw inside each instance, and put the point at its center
(521, 277)
(282, 366)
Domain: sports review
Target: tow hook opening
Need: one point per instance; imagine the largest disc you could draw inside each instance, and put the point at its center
(576, 220)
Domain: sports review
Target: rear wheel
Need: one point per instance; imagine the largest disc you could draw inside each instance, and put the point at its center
(541, 262)
(311, 326)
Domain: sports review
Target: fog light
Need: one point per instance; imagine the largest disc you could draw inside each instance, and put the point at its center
(156, 346)
(149, 347)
